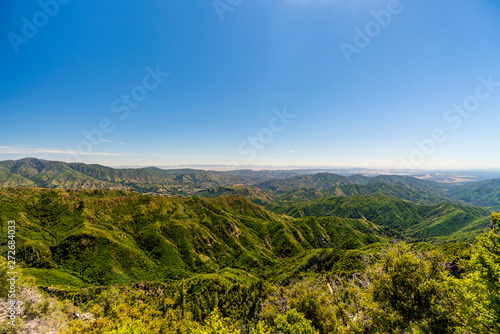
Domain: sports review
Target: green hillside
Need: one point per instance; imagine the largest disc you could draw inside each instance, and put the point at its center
(484, 193)
(277, 186)
(398, 218)
(59, 175)
(400, 191)
(48, 174)
(102, 237)
(138, 263)
(407, 181)
(315, 181)
(321, 181)
(255, 195)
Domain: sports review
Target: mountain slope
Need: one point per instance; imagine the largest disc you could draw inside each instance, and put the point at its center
(400, 191)
(484, 193)
(104, 237)
(59, 175)
(310, 187)
(397, 190)
(401, 219)
(48, 174)
(278, 186)
(406, 181)
(315, 181)
(253, 194)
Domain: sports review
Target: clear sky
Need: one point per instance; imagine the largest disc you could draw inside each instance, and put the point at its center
(252, 82)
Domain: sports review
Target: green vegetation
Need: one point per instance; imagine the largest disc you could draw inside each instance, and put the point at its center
(251, 252)
(397, 218)
(255, 195)
(33, 172)
(104, 237)
(261, 187)
(400, 288)
(484, 193)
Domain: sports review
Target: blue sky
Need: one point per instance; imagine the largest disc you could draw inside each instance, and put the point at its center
(233, 66)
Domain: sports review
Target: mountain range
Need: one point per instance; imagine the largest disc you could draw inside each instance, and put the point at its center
(83, 225)
(271, 185)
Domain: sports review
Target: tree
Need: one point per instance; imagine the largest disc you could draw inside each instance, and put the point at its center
(401, 291)
(478, 293)
(293, 322)
(309, 297)
(215, 324)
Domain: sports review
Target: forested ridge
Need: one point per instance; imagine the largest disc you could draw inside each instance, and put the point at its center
(267, 252)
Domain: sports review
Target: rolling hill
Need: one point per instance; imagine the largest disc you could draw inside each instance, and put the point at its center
(255, 195)
(483, 193)
(277, 186)
(397, 218)
(77, 238)
(82, 237)
(60, 175)
(400, 191)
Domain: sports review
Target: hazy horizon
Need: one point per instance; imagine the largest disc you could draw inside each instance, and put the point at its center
(330, 169)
